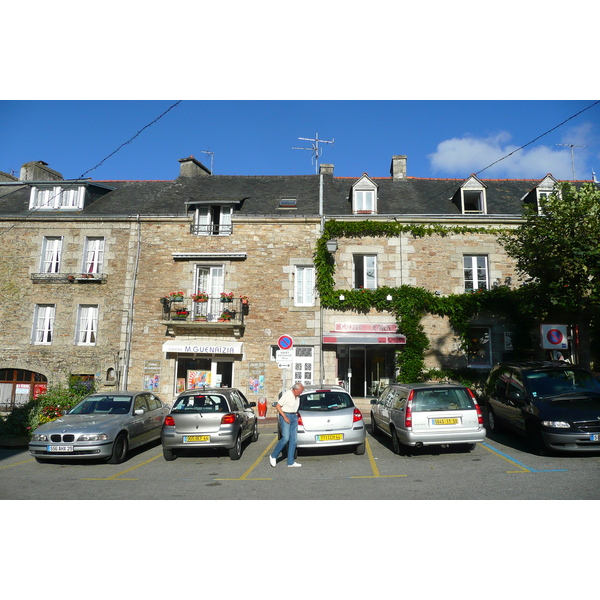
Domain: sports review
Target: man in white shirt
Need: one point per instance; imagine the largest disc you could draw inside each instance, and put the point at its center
(287, 407)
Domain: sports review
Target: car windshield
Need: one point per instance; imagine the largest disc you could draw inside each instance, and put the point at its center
(108, 405)
(560, 382)
(441, 399)
(325, 400)
(201, 403)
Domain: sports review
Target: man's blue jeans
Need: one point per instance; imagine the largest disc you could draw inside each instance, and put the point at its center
(289, 435)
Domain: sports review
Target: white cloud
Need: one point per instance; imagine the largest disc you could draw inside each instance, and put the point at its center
(459, 157)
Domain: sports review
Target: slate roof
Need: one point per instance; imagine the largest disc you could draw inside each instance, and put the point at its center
(261, 195)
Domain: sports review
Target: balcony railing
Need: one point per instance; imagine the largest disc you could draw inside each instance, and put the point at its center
(214, 310)
(212, 229)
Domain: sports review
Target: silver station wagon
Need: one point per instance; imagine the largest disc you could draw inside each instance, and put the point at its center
(209, 418)
(428, 414)
(102, 426)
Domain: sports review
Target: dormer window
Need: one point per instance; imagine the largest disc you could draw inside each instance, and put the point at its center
(69, 197)
(213, 219)
(364, 196)
(472, 197)
(544, 189)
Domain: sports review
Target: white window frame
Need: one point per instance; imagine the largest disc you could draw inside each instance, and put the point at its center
(476, 264)
(364, 201)
(364, 270)
(57, 197)
(480, 201)
(213, 220)
(210, 279)
(304, 286)
(43, 324)
(93, 255)
(51, 254)
(87, 325)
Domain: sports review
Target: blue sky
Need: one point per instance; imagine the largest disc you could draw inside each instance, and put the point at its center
(258, 137)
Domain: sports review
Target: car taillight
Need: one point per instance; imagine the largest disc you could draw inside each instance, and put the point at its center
(300, 423)
(357, 415)
(477, 407)
(408, 413)
(228, 419)
(169, 421)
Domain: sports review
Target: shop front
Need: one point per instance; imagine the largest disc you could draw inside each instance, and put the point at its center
(365, 355)
(201, 363)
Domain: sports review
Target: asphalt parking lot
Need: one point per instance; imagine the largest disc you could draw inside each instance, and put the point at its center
(503, 467)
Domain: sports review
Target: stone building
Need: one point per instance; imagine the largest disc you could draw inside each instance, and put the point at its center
(90, 272)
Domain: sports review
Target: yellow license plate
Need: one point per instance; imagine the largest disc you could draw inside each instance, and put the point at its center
(444, 421)
(196, 438)
(330, 437)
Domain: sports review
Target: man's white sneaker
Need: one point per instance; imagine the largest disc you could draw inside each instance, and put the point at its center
(273, 461)
(295, 465)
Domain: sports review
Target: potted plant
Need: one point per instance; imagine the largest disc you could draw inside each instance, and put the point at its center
(200, 297)
(226, 296)
(244, 299)
(226, 316)
(181, 314)
(176, 296)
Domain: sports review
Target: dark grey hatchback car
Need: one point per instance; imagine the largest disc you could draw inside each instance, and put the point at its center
(555, 405)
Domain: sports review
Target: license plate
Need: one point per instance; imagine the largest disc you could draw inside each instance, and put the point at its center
(59, 448)
(594, 437)
(444, 421)
(196, 438)
(330, 437)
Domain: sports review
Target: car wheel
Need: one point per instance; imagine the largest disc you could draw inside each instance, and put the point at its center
(469, 447)
(360, 449)
(374, 428)
(236, 452)
(492, 421)
(255, 432)
(536, 441)
(396, 447)
(119, 452)
(169, 455)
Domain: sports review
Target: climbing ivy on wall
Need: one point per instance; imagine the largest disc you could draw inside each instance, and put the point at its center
(409, 304)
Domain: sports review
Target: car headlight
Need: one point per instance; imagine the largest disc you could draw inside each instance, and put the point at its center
(39, 437)
(92, 437)
(556, 424)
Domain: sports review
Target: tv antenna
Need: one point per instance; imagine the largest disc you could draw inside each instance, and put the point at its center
(572, 155)
(316, 151)
(212, 155)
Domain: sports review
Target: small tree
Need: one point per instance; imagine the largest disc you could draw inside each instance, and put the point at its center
(557, 251)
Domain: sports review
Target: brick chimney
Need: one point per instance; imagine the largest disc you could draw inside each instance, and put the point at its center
(398, 168)
(38, 170)
(326, 169)
(190, 167)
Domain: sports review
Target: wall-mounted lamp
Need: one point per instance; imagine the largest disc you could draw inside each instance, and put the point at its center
(342, 297)
(331, 245)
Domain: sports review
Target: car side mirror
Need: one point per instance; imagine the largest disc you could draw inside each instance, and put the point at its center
(516, 396)
(374, 401)
(139, 411)
(252, 404)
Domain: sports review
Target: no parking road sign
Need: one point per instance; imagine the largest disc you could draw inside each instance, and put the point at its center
(554, 337)
(285, 342)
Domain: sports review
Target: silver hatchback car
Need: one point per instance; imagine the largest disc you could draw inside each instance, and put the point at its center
(428, 414)
(327, 417)
(209, 418)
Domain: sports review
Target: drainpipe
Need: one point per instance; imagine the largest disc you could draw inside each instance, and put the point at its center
(321, 357)
(130, 311)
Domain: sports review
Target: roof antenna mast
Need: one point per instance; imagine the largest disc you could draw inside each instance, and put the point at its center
(316, 151)
(212, 156)
(572, 157)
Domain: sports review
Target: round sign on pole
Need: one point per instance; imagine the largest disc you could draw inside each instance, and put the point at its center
(285, 342)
